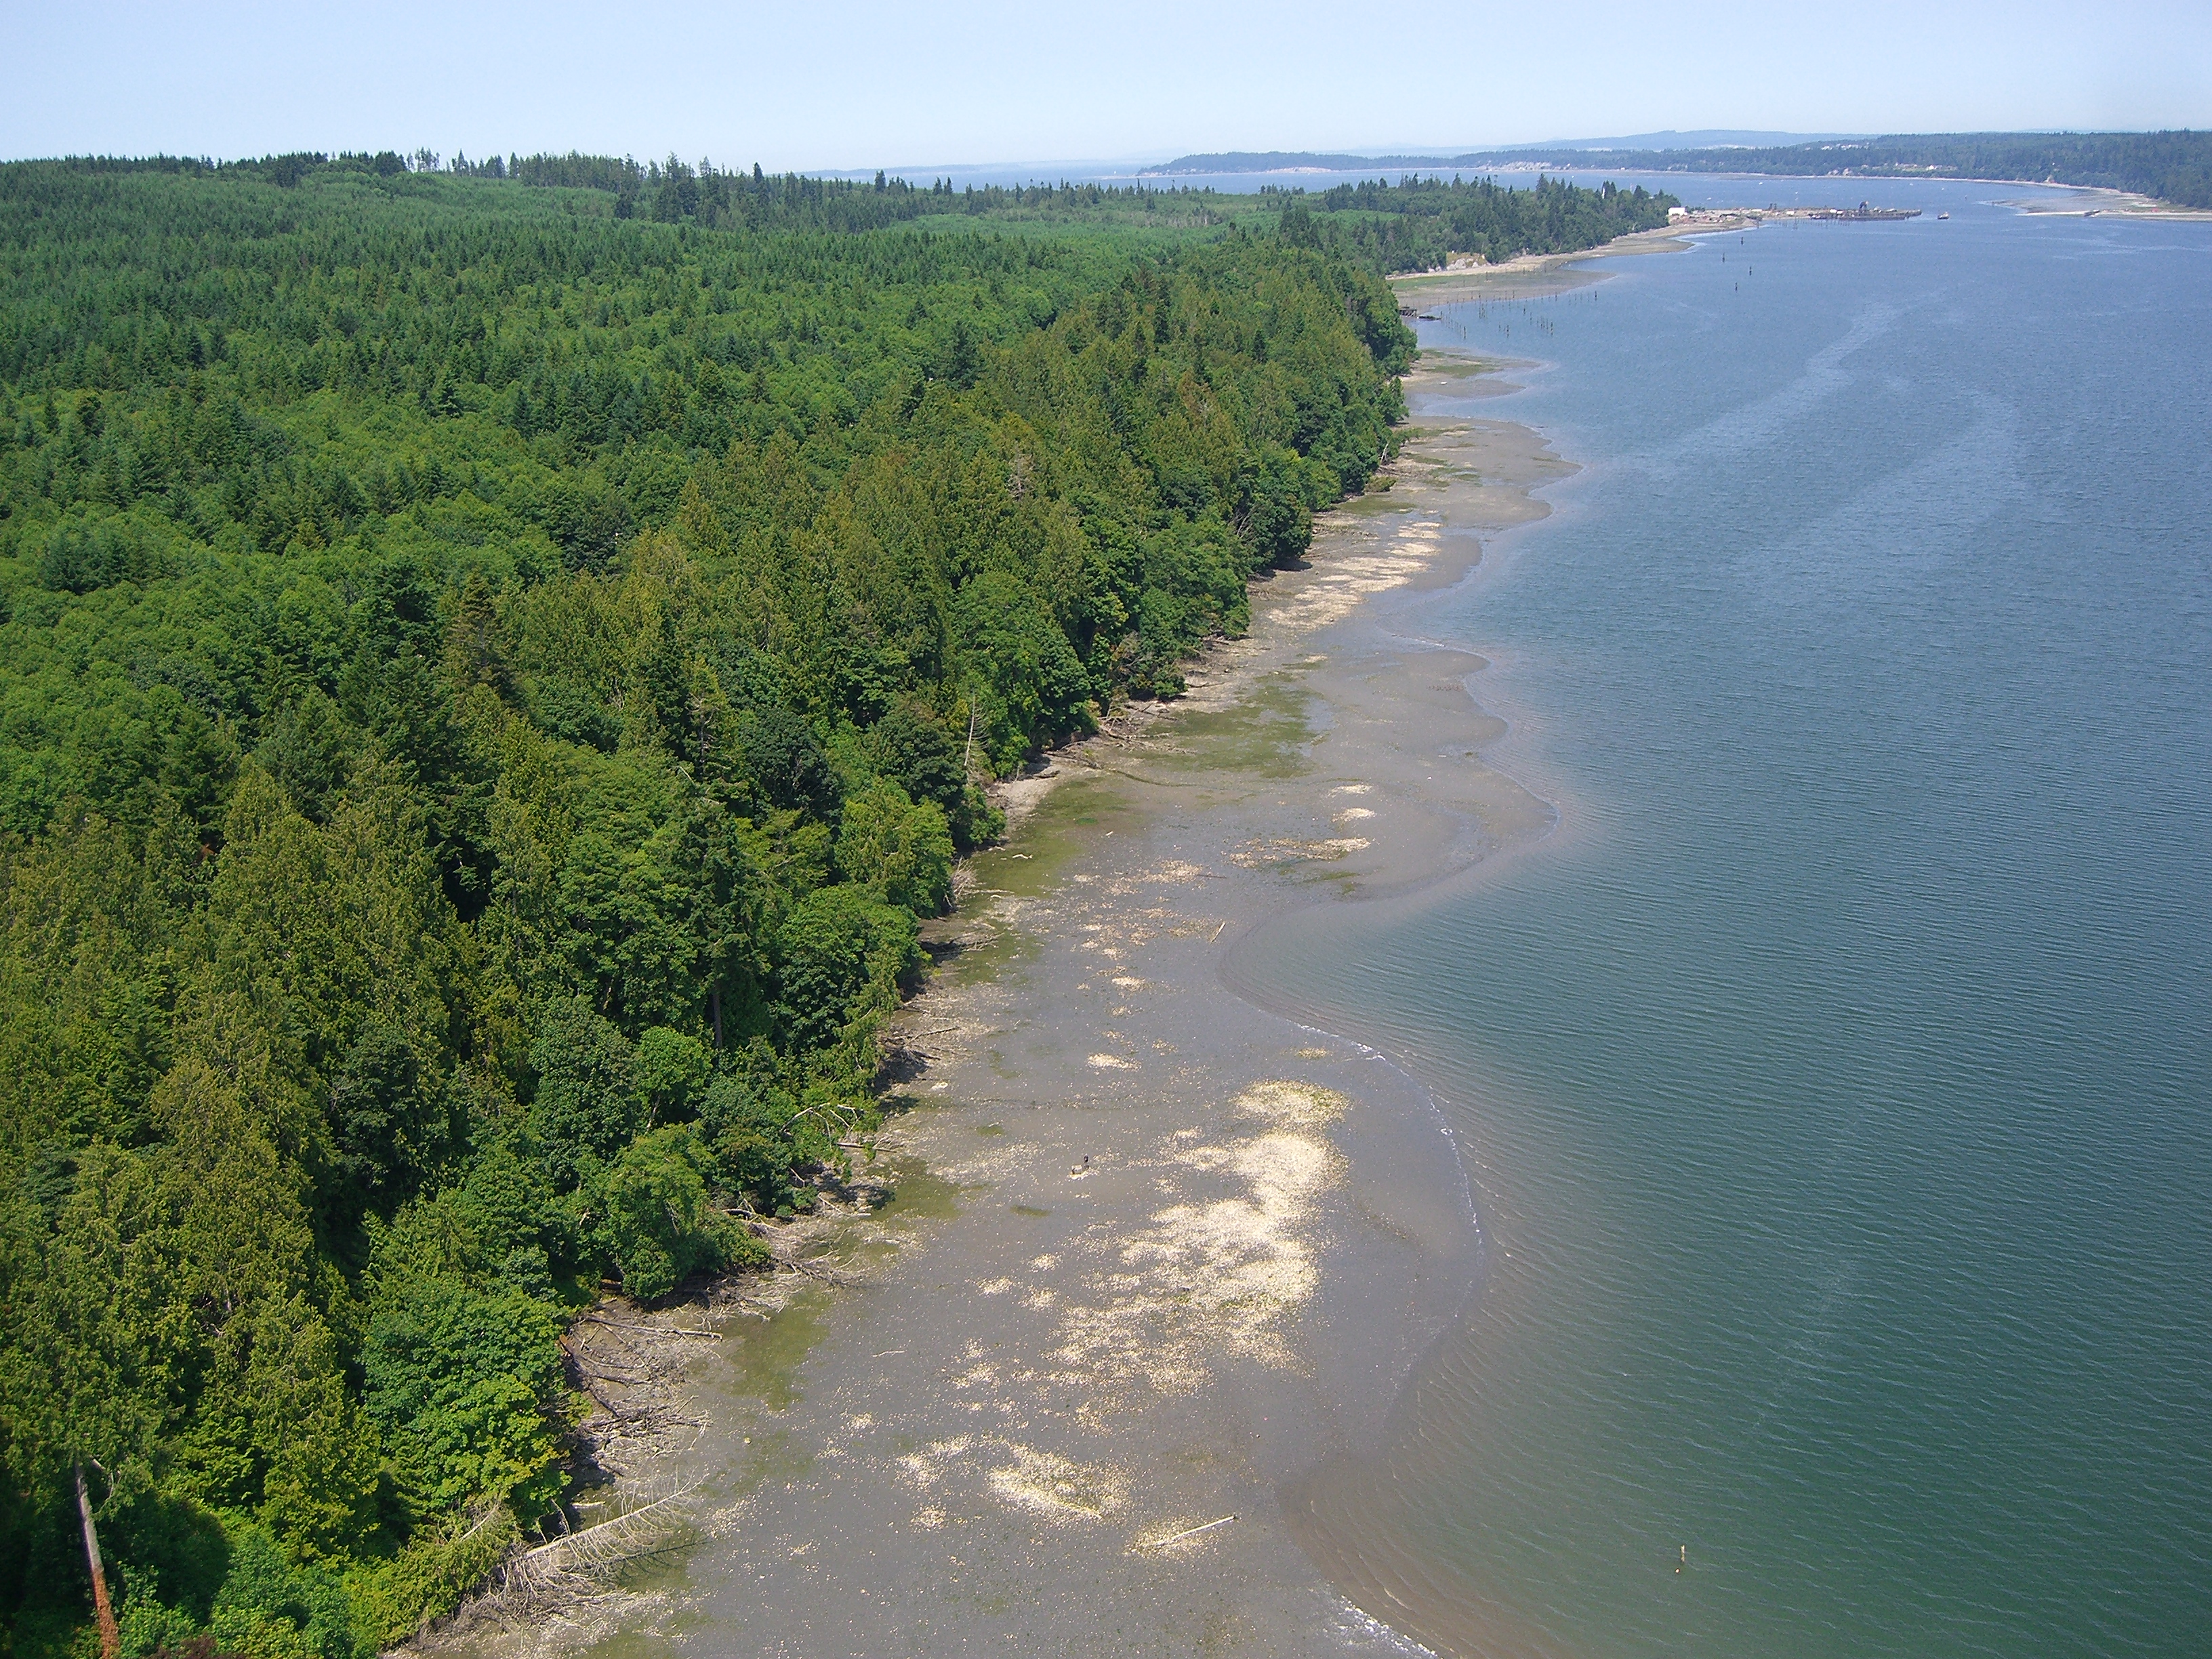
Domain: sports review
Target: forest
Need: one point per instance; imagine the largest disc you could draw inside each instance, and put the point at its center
(675, 191)
(490, 683)
(497, 662)
(1416, 223)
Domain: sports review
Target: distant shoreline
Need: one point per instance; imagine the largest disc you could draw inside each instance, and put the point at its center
(2147, 162)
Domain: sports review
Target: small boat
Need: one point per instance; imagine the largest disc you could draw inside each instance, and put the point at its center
(1943, 216)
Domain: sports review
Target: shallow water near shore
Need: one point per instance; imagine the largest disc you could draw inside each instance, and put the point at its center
(1836, 1084)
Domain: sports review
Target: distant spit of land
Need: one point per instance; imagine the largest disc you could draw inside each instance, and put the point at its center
(2172, 166)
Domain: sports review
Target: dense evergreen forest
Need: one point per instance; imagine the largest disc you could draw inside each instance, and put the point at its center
(1416, 223)
(710, 197)
(493, 670)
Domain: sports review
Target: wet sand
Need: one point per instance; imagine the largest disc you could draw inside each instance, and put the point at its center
(1153, 1253)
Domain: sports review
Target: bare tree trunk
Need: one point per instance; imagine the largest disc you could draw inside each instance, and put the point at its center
(111, 1639)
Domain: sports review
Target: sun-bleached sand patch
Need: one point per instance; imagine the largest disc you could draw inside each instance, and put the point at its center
(1353, 815)
(1400, 552)
(1056, 1488)
(988, 1161)
(1244, 1261)
(1301, 1105)
(1110, 1063)
(1218, 1269)
(1047, 1485)
(1352, 789)
(925, 1467)
(1180, 872)
(994, 1287)
(1129, 982)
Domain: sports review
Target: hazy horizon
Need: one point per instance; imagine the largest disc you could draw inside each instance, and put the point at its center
(861, 86)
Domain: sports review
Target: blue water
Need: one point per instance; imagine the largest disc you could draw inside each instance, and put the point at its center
(1837, 1081)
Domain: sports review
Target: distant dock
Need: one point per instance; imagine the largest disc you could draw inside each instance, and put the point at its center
(1864, 211)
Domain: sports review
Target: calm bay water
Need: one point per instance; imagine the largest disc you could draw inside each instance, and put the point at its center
(1837, 1082)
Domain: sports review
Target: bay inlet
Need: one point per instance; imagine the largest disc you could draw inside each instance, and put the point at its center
(1836, 1086)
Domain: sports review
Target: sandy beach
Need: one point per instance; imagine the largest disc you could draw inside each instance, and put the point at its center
(1539, 276)
(2089, 201)
(1135, 1254)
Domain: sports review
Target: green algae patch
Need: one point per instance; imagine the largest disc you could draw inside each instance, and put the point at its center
(918, 1195)
(765, 1365)
(1264, 735)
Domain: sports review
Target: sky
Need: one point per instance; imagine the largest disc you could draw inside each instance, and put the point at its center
(868, 84)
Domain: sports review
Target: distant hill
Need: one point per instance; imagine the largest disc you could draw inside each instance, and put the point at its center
(2175, 167)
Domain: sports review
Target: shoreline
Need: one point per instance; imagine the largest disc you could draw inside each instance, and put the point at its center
(1152, 1248)
(1539, 275)
(2111, 203)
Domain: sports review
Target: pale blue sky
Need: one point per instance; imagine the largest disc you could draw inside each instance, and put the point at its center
(868, 84)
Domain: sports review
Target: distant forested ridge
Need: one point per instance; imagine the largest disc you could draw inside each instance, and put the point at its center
(675, 191)
(2175, 166)
(495, 662)
(1416, 223)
